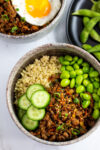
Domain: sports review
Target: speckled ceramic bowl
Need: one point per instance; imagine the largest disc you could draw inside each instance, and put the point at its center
(43, 31)
(58, 50)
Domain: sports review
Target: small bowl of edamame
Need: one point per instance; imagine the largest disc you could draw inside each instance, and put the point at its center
(79, 73)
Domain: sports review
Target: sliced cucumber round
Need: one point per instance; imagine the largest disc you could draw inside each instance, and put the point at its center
(35, 114)
(23, 102)
(32, 89)
(21, 113)
(29, 124)
(40, 99)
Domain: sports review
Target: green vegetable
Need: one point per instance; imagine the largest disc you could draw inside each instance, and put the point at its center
(5, 17)
(93, 74)
(90, 88)
(94, 35)
(96, 97)
(60, 127)
(29, 124)
(61, 59)
(40, 99)
(94, 49)
(76, 101)
(65, 82)
(66, 115)
(96, 84)
(98, 92)
(87, 13)
(79, 79)
(68, 58)
(80, 89)
(63, 68)
(96, 114)
(86, 82)
(35, 114)
(85, 104)
(80, 61)
(72, 83)
(96, 6)
(72, 74)
(86, 69)
(69, 68)
(79, 71)
(65, 75)
(86, 96)
(75, 132)
(88, 28)
(14, 29)
(76, 66)
(86, 46)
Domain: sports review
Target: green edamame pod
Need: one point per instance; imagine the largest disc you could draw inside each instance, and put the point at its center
(88, 28)
(86, 12)
(94, 49)
(97, 55)
(93, 33)
(86, 47)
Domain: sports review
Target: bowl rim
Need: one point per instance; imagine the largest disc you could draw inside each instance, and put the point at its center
(9, 104)
(44, 30)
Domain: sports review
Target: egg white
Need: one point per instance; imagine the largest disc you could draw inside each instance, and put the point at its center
(55, 7)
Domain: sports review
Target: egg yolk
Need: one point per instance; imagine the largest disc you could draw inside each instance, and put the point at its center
(38, 8)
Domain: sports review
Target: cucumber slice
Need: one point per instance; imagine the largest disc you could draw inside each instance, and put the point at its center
(40, 99)
(29, 124)
(23, 102)
(32, 89)
(21, 113)
(35, 114)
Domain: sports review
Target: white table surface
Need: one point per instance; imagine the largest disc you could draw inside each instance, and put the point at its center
(11, 138)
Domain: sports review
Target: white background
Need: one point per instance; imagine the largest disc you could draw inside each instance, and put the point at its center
(11, 138)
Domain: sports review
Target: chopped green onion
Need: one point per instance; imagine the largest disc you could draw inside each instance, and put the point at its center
(75, 132)
(17, 9)
(15, 28)
(5, 17)
(23, 19)
(57, 95)
(7, 0)
(60, 114)
(66, 115)
(60, 127)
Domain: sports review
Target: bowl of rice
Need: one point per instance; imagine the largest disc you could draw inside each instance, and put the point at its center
(41, 68)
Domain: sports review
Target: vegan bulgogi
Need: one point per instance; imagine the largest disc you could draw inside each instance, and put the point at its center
(64, 120)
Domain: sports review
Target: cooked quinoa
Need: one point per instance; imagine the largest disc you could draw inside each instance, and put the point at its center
(38, 72)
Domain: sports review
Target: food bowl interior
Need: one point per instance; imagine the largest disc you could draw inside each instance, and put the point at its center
(51, 50)
(43, 31)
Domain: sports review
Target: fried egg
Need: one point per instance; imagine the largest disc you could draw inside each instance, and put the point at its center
(37, 12)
